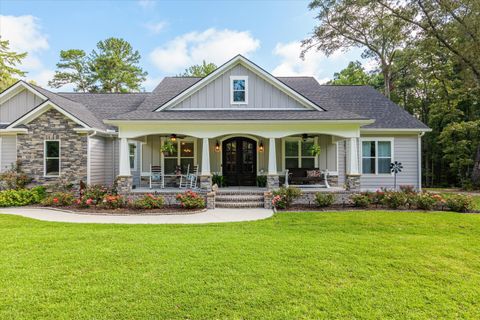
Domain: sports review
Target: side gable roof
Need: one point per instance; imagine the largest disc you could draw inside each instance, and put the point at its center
(239, 59)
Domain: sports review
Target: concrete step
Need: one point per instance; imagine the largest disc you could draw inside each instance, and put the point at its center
(239, 192)
(245, 204)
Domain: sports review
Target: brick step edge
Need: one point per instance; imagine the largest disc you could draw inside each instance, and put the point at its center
(249, 198)
(239, 204)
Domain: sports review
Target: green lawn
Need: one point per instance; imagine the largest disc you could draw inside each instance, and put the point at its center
(294, 265)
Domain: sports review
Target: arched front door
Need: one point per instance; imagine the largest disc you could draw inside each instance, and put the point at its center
(239, 161)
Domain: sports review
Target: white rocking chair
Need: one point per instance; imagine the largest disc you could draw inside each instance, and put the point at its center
(184, 179)
(192, 178)
(156, 177)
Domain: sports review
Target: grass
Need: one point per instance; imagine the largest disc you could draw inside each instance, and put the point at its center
(294, 265)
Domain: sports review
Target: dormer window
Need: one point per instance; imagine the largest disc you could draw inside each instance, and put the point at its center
(238, 90)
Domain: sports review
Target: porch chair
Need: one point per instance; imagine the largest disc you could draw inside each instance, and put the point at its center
(184, 179)
(193, 178)
(157, 177)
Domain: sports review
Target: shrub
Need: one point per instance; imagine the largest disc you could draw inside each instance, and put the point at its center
(459, 203)
(113, 202)
(377, 197)
(323, 200)
(408, 189)
(279, 202)
(261, 181)
(14, 178)
(426, 201)
(394, 199)
(92, 195)
(361, 200)
(21, 197)
(149, 202)
(59, 199)
(190, 200)
(287, 194)
(219, 180)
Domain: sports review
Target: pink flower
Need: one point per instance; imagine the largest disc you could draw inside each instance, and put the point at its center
(55, 200)
(89, 201)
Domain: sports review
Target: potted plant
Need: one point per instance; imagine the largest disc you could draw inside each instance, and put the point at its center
(168, 148)
(315, 150)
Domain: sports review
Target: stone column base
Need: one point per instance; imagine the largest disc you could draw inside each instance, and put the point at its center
(206, 182)
(124, 184)
(211, 200)
(352, 182)
(273, 181)
(267, 200)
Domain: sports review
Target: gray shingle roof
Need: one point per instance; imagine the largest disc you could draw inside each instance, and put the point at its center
(3, 126)
(76, 109)
(340, 103)
(362, 100)
(239, 115)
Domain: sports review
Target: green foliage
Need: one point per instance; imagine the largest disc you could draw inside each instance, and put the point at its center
(21, 197)
(219, 180)
(168, 147)
(199, 70)
(93, 195)
(149, 202)
(112, 67)
(323, 199)
(8, 62)
(395, 200)
(113, 202)
(355, 74)
(262, 181)
(361, 200)
(191, 200)
(315, 150)
(459, 203)
(14, 177)
(426, 201)
(287, 196)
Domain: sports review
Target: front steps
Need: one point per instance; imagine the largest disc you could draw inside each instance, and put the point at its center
(239, 199)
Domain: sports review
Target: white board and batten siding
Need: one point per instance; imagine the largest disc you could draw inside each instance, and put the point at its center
(216, 94)
(8, 151)
(405, 150)
(103, 160)
(18, 105)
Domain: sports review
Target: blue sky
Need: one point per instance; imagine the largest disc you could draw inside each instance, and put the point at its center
(170, 35)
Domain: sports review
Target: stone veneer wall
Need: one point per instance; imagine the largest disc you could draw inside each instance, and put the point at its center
(52, 125)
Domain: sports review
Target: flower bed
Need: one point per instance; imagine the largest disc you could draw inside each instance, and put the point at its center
(406, 199)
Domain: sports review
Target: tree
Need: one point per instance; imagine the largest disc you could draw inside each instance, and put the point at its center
(115, 66)
(8, 62)
(199, 70)
(77, 71)
(358, 23)
(355, 74)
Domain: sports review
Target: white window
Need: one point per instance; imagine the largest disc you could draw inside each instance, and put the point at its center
(238, 90)
(298, 153)
(51, 160)
(376, 156)
(182, 156)
(132, 154)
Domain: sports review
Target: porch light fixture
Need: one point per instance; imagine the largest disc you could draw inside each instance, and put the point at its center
(173, 137)
(260, 147)
(304, 137)
(217, 147)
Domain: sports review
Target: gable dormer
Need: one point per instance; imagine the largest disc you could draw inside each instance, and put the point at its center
(239, 85)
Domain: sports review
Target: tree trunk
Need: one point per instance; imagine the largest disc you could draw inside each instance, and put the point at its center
(476, 169)
(386, 79)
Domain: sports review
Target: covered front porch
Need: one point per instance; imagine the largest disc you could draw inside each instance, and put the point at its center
(239, 155)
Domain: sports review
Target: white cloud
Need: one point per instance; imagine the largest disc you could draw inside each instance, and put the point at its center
(156, 27)
(146, 3)
(151, 82)
(211, 45)
(25, 35)
(315, 63)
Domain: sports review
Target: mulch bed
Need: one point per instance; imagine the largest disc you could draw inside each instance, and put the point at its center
(168, 210)
(341, 207)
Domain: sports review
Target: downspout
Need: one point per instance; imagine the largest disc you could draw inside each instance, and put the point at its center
(420, 135)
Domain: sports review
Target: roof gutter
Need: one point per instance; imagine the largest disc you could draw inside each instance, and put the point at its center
(93, 132)
(170, 121)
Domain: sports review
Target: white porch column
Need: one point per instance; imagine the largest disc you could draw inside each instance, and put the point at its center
(205, 158)
(352, 156)
(124, 158)
(272, 157)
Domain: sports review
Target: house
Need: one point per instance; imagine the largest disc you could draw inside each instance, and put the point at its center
(240, 122)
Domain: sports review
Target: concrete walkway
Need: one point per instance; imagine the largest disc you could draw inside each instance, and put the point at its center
(209, 216)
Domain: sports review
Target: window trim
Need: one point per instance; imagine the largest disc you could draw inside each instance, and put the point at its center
(45, 158)
(178, 156)
(232, 78)
(376, 140)
(299, 152)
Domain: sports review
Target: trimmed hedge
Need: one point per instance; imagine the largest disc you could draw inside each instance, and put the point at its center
(21, 197)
